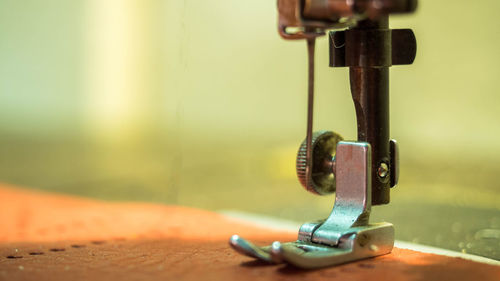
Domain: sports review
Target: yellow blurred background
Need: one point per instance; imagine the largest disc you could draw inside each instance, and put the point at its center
(201, 103)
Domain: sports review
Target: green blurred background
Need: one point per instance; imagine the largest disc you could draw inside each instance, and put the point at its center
(201, 103)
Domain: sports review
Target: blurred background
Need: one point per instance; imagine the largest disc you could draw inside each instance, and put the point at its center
(200, 103)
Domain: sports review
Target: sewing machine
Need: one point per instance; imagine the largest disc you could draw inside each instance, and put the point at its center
(360, 173)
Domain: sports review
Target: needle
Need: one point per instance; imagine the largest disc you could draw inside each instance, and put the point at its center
(310, 106)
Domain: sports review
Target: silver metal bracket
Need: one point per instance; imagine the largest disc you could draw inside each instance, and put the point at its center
(346, 235)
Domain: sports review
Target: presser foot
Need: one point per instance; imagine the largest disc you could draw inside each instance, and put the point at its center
(346, 235)
(355, 244)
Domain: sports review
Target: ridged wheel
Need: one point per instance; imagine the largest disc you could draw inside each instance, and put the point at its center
(322, 181)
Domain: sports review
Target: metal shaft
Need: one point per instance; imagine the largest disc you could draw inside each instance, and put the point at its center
(370, 92)
(311, 42)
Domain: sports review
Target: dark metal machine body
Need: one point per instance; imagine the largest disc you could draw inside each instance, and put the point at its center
(361, 172)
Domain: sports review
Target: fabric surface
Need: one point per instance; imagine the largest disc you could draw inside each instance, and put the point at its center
(56, 237)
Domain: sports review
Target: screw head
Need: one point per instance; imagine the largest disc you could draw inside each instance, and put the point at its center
(383, 170)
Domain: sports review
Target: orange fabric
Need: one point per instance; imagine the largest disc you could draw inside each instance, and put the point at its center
(55, 237)
(37, 217)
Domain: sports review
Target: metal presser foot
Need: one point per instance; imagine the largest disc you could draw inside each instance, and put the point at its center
(346, 235)
(360, 172)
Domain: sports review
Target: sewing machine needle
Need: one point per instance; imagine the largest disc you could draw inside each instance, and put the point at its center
(310, 108)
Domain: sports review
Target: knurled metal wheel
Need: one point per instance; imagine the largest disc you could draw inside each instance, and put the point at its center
(322, 179)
